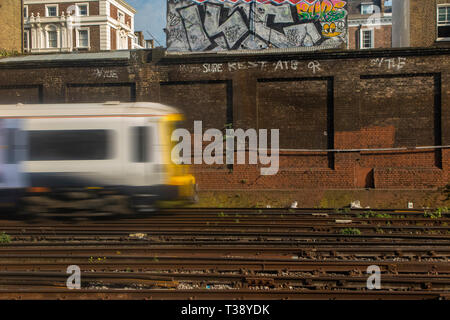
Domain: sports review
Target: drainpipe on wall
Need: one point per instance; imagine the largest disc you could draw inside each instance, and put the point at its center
(22, 26)
(400, 23)
(359, 37)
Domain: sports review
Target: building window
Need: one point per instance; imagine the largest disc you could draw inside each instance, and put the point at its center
(444, 22)
(149, 44)
(51, 10)
(367, 8)
(83, 38)
(122, 40)
(25, 11)
(388, 7)
(121, 17)
(367, 39)
(83, 9)
(26, 40)
(52, 37)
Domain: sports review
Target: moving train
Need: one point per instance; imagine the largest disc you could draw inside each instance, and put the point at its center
(111, 155)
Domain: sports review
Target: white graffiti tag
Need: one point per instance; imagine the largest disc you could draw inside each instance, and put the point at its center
(280, 65)
(314, 66)
(106, 74)
(389, 63)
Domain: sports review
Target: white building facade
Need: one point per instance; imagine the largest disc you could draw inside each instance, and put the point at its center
(89, 25)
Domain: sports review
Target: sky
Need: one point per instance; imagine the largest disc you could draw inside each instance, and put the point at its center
(151, 18)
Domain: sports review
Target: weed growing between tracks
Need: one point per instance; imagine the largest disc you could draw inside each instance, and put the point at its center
(343, 210)
(350, 231)
(437, 214)
(4, 238)
(96, 260)
(372, 214)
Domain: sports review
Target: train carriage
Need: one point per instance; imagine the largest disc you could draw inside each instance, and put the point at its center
(61, 154)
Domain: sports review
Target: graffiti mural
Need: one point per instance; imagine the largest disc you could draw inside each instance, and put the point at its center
(325, 10)
(215, 25)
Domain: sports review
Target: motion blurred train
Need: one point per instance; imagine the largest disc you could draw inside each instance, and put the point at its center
(105, 155)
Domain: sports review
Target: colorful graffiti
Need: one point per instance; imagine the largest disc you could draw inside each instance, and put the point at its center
(293, 2)
(329, 30)
(215, 25)
(322, 10)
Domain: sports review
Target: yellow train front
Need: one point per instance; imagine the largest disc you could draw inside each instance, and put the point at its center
(51, 152)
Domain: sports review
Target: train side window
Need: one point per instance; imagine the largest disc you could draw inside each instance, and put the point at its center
(60, 145)
(16, 145)
(140, 141)
(11, 143)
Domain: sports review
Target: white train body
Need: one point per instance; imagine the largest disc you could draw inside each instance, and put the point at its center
(118, 146)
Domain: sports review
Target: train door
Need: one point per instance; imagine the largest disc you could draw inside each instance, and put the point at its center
(140, 165)
(13, 151)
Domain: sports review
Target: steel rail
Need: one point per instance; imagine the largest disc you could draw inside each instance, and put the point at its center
(307, 243)
(222, 264)
(266, 222)
(78, 251)
(287, 210)
(262, 219)
(62, 294)
(62, 276)
(220, 232)
(142, 280)
(196, 211)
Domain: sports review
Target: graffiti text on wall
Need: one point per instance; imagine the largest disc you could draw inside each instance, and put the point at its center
(390, 63)
(213, 25)
(280, 65)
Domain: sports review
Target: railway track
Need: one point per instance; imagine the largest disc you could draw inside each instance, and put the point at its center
(256, 250)
(236, 281)
(63, 294)
(234, 253)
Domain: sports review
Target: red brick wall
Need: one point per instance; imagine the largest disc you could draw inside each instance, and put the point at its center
(62, 7)
(302, 114)
(366, 99)
(113, 11)
(376, 103)
(423, 31)
(94, 38)
(383, 37)
(113, 39)
(114, 14)
(20, 94)
(89, 94)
